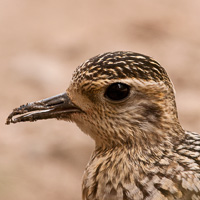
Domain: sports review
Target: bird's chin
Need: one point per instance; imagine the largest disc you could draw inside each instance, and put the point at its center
(59, 107)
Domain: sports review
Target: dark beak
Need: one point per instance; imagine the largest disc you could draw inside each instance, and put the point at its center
(59, 107)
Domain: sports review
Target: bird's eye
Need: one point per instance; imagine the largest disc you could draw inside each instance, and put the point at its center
(117, 91)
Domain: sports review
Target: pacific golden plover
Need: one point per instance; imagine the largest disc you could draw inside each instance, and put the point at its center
(125, 101)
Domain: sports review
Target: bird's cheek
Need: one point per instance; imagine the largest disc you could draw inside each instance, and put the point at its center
(84, 126)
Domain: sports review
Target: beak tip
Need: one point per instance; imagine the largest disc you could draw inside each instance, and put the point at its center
(9, 120)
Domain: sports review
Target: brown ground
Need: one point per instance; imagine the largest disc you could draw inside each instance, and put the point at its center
(42, 42)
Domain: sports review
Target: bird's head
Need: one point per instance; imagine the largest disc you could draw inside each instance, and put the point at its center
(116, 98)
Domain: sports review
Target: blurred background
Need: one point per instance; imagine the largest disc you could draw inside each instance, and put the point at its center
(41, 44)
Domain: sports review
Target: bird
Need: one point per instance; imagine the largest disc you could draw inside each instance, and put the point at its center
(125, 101)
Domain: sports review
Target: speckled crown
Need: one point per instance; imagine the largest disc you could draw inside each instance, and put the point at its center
(120, 65)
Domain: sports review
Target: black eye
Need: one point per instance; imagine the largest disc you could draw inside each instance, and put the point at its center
(117, 91)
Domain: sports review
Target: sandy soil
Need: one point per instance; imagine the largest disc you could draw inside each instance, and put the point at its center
(42, 42)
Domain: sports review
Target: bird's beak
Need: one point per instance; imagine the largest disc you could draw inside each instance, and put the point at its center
(59, 107)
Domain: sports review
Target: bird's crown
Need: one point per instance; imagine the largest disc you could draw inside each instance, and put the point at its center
(120, 65)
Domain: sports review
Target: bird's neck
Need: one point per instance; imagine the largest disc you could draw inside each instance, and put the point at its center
(111, 168)
(143, 139)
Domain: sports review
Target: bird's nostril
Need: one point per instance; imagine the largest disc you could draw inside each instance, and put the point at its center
(55, 103)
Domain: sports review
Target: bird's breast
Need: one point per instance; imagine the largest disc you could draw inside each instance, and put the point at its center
(119, 175)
